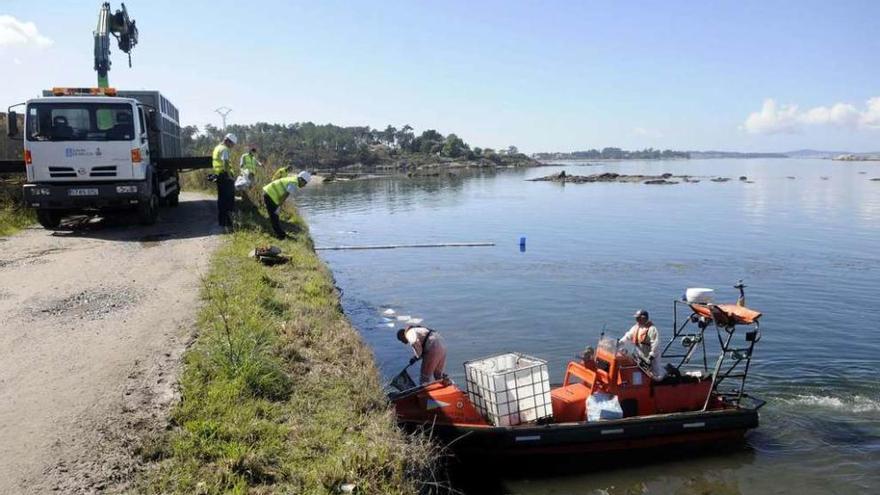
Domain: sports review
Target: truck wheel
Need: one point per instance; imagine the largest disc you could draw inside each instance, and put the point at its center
(148, 211)
(173, 200)
(49, 219)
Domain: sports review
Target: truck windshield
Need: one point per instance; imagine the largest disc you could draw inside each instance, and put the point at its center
(80, 122)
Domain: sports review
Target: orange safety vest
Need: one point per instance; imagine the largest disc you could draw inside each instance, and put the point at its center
(639, 337)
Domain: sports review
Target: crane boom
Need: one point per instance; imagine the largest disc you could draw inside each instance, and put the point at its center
(123, 29)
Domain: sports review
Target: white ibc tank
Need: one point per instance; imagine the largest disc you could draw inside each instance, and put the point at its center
(699, 295)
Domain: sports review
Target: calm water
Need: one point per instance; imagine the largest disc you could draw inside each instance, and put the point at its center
(806, 247)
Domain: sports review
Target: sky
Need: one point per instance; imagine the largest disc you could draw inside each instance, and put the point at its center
(543, 75)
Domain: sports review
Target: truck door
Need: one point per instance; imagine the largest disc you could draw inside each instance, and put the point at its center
(144, 136)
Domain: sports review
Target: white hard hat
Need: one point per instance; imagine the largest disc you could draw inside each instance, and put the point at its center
(231, 138)
(304, 175)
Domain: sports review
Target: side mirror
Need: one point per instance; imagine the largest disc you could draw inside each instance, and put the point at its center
(12, 124)
(153, 120)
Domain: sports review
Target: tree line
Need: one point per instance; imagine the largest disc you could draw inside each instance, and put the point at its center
(330, 146)
(614, 154)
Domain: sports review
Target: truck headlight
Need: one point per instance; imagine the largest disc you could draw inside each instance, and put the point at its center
(126, 189)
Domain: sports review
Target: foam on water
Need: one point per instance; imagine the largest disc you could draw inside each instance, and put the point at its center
(856, 403)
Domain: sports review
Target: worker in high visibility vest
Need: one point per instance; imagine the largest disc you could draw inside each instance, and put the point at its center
(646, 338)
(282, 172)
(249, 163)
(225, 184)
(276, 192)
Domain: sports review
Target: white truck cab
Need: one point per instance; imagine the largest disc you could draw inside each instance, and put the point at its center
(98, 149)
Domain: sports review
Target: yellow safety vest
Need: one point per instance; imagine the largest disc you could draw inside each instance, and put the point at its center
(277, 190)
(281, 172)
(249, 162)
(220, 165)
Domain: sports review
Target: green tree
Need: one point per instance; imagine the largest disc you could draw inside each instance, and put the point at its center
(389, 135)
(405, 137)
(454, 147)
(430, 141)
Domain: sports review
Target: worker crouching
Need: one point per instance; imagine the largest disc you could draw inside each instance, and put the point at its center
(276, 193)
(428, 346)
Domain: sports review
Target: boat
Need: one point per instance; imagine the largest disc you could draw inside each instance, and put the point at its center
(692, 405)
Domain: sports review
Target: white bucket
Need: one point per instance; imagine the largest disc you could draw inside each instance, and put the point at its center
(699, 295)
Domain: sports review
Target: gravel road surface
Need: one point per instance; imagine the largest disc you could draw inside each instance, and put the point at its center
(93, 321)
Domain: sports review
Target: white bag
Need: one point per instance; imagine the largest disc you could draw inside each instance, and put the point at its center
(602, 406)
(243, 181)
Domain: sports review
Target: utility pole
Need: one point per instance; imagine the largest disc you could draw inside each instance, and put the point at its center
(223, 112)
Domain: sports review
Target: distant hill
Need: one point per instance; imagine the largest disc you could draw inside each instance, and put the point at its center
(612, 154)
(814, 154)
(831, 154)
(734, 154)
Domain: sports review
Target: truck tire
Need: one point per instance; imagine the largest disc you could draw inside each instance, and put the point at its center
(49, 219)
(148, 211)
(174, 199)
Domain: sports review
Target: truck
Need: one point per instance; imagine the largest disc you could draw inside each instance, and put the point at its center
(98, 149)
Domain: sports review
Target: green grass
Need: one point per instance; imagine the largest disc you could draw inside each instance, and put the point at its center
(13, 215)
(13, 219)
(196, 181)
(279, 393)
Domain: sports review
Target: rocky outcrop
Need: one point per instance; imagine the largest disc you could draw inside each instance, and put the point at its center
(612, 177)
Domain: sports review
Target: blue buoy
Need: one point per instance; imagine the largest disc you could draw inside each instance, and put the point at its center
(522, 244)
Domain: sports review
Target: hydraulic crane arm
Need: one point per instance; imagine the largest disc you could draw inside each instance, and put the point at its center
(123, 29)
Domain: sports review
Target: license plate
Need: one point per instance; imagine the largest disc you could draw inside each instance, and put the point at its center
(82, 192)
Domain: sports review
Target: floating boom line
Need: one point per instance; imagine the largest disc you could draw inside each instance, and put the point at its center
(405, 246)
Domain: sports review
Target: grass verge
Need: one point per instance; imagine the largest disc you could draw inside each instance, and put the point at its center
(13, 214)
(278, 393)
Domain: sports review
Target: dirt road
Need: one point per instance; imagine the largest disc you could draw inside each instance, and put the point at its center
(93, 320)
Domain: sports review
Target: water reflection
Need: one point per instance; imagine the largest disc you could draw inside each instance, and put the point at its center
(596, 252)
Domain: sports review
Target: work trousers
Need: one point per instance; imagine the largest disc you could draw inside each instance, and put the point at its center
(225, 199)
(433, 359)
(272, 208)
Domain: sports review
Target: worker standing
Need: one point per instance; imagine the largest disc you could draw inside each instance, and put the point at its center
(276, 192)
(646, 338)
(428, 346)
(225, 184)
(249, 163)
